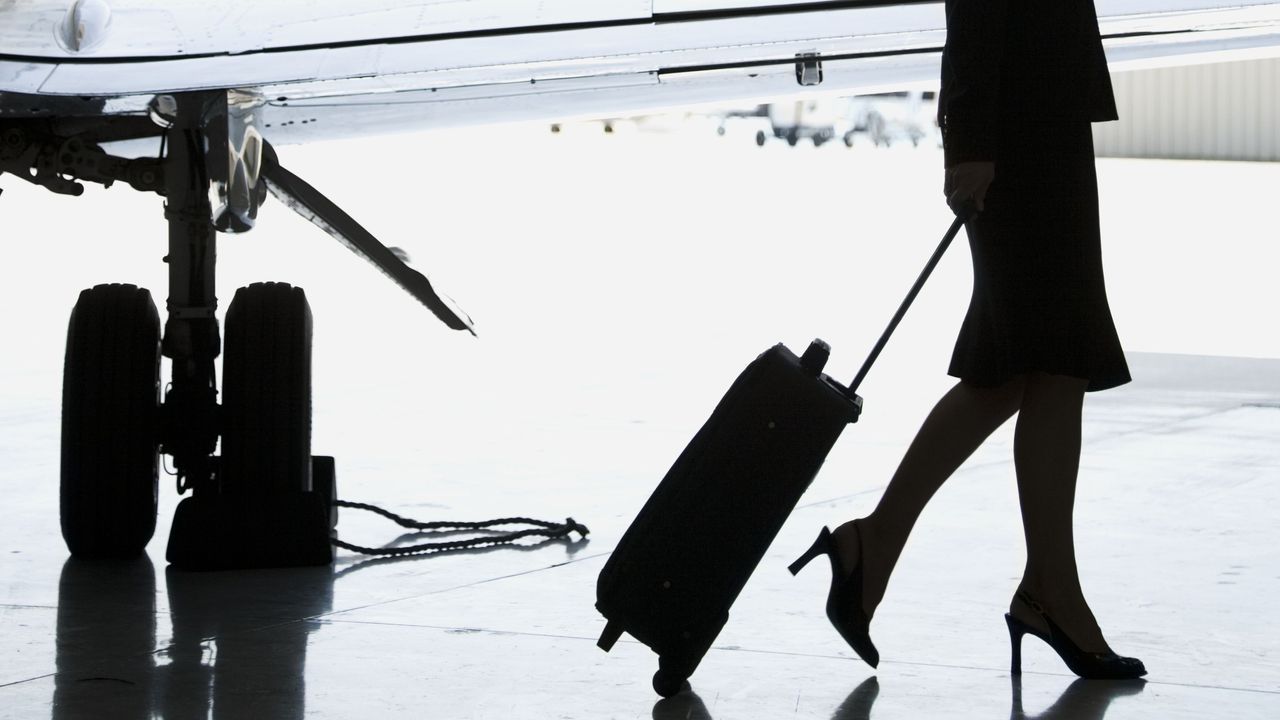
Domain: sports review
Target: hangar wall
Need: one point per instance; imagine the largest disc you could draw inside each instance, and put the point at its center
(1222, 111)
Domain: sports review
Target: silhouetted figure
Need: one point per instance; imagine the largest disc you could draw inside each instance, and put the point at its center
(1021, 82)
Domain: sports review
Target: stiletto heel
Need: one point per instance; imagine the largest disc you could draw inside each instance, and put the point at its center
(1015, 641)
(844, 601)
(1097, 666)
(820, 547)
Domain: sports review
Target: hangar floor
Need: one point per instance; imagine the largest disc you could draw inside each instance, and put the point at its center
(618, 285)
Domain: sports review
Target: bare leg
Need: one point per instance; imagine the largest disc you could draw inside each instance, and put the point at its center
(1046, 451)
(957, 425)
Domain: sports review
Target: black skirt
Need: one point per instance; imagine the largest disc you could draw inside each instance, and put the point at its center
(1039, 301)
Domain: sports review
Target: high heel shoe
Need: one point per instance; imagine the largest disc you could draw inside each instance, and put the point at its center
(1095, 666)
(844, 601)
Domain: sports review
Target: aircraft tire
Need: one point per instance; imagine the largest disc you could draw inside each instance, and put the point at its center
(266, 391)
(110, 422)
(760, 138)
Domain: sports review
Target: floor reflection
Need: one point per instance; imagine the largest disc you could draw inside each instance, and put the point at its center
(688, 706)
(685, 705)
(237, 649)
(1082, 700)
(858, 705)
(234, 645)
(105, 608)
(257, 665)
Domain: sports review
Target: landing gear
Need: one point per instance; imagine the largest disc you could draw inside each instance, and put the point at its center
(266, 501)
(252, 507)
(110, 409)
(877, 128)
(266, 388)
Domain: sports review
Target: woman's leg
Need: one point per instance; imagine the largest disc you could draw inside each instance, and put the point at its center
(1046, 452)
(957, 425)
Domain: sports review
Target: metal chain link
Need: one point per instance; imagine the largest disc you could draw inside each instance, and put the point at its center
(540, 528)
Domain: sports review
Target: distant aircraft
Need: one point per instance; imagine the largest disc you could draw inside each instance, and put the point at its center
(183, 97)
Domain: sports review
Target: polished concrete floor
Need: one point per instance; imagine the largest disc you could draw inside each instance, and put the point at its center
(613, 309)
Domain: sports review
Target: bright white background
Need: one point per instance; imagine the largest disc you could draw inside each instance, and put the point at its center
(625, 279)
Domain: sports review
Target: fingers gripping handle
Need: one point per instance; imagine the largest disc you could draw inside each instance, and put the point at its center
(967, 211)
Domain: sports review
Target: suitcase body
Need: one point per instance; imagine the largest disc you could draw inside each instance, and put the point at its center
(685, 558)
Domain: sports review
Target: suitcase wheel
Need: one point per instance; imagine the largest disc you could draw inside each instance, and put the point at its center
(667, 682)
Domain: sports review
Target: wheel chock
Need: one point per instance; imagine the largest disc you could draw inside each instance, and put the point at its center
(243, 530)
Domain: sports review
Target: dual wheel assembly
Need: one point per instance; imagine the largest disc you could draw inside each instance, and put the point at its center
(112, 412)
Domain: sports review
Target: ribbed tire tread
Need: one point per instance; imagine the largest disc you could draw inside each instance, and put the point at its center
(266, 391)
(110, 411)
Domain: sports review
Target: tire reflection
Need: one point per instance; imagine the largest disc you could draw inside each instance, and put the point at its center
(105, 606)
(237, 648)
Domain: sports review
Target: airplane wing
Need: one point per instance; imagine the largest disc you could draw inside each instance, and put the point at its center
(327, 69)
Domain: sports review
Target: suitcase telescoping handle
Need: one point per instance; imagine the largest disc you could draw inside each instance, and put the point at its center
(962, 217)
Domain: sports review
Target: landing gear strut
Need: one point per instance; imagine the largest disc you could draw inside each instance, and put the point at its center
(255, 505)
(191, 339)
(266, 502)
(260, 503)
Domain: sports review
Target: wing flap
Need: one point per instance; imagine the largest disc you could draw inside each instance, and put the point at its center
(311, 204)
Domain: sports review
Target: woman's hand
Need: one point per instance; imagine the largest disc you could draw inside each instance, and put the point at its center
(968, 181)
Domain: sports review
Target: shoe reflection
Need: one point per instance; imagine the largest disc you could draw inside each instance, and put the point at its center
(688, 706)
(1082, 700)
(858, 705)
(237, 650)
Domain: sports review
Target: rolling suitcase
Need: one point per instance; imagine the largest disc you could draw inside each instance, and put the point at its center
(689, 552)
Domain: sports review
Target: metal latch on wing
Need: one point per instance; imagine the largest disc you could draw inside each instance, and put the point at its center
(808, 69)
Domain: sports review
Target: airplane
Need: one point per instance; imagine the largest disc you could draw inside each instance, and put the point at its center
(185, 98)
